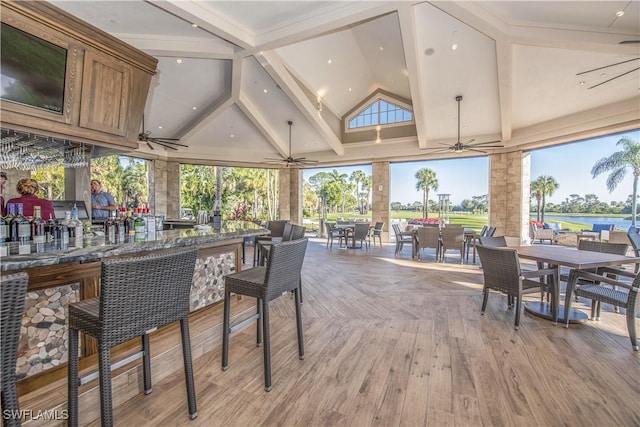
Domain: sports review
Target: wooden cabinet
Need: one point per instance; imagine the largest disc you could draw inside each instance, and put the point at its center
(106, 88)
(106, 80)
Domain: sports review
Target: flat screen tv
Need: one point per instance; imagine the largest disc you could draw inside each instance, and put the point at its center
(32, 70)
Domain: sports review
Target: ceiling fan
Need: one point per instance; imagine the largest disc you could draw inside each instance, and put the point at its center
(613, 65)
(290, 160)
(145, 137)
(459, 147)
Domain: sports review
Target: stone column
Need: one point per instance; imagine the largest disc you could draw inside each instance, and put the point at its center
(158, 193)
(509, 188)
(290, 197)
(380, 196)
(172, 190)
(77, 185)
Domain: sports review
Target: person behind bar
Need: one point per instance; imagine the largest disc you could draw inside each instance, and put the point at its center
(3, 182)
(28, 188)
(101, 201)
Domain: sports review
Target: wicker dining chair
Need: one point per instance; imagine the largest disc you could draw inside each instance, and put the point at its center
(12, 299)
(281, 274)
(333, 232)
(593, 287)
(502, 272)
(634, 237)
(494, 241)
(360, 232)
(377, 232)
(402, 237)
(137, 296)
(452, 238)
(428, 237)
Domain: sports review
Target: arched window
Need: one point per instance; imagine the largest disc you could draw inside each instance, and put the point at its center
(381, 112)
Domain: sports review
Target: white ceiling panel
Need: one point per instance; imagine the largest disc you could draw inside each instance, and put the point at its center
(547, 86)
(469, 70)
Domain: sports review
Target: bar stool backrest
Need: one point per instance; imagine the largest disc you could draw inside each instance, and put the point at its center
(141, 293)
(277, 227)
(284, 267)
(12, 299)
(298, 232)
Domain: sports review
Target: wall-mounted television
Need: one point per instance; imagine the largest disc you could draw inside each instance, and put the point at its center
(32, 70)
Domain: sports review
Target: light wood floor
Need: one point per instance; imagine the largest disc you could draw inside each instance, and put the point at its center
(391, 341)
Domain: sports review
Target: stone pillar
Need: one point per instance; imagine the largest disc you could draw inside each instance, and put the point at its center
(509, 184)
(77, 185)
(158, 193)
(380, 196)
(172, 190)
(290, 197)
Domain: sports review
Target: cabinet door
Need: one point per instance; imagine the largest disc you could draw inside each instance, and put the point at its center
(105, 94)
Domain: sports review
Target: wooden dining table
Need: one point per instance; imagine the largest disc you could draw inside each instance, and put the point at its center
(556, 256)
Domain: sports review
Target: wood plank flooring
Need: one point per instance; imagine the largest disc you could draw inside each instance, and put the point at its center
(396, 342)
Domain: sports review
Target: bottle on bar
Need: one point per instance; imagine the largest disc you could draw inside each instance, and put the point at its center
(22, 231)
(128, 224)
(38, 229)
(4, 236)
(110, 228)
(150, 221)
(62, 231)
(50, 229)
(139, 223)
(76, 228)
(11, 213)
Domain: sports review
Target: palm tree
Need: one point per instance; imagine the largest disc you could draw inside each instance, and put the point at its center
(617, 164)
(358, 176)
(549, 186)
(426, 181)
(537, 192)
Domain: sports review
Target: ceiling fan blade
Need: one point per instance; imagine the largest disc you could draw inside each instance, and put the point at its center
(164, 145)
(167, 141)
(615, 77)
(607, 66)
(484, 143)
(150, 146)
(476, 150)
(437, 150)
(470, 141)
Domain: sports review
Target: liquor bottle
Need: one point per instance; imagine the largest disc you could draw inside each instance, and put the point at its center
(76, 228)
(50, 229)
(38, 229)
(216, 217)
(110, 228)
(22, 229)
(62, 231)
(139, 224)
(11, 213)
(128, 224)
(150, 222)
(4, 236)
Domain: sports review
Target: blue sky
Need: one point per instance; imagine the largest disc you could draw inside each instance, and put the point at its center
(569, 164)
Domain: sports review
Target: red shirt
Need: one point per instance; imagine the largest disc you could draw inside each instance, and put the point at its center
(29, 201)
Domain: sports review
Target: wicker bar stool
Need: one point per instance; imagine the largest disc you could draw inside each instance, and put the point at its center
(138, 295)
(14, 291)
(265, 283)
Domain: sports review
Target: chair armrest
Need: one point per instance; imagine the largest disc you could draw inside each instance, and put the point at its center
(580, 274)
(616, 271)
(538, 273)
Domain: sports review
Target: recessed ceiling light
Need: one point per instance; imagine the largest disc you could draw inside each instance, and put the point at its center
(194, 25)
(603, 75)
(581, 83)
(380, 47)
(179, 61)
(349, 89)
(265, 90)
(231, 136)
(619, 13)
(454, 46)
(329, 61)
(195, 108)
(159, 127)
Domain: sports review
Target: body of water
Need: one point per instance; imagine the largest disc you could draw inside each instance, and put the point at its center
(619, 223)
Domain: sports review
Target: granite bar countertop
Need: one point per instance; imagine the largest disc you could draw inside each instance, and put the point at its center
(97, 247)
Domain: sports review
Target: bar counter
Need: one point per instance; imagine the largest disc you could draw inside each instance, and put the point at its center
(60, 276)
(98, 247)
